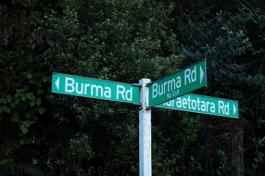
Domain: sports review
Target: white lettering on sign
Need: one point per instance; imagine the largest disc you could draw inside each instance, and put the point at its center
(192, 104)
(107, 92)
(69, 85)
(190, 75)
(96, 90)
(165, 87)
(123, 93)
(223, 108)
(86, 89)
(204, 104)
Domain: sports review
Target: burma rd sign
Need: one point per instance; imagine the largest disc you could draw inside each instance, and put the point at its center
(204, 105)
(177, 84)
(94, 88)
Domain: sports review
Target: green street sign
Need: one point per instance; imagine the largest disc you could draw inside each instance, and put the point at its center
(94, 88)
(177, 84)
(204, 105)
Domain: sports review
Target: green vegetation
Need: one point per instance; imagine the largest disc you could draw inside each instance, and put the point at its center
(125, 40)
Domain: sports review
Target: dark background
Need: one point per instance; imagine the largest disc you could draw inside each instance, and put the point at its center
(125, 40)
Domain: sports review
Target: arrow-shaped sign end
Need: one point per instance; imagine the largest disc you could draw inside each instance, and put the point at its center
(57, 83)
(234, 108)
(201, 74)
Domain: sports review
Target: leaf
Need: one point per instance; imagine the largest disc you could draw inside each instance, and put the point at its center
(4, 162)
(41, 110)
(23, 129)
(29, 75)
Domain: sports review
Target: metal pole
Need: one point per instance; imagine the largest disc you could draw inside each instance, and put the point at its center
(145, 152)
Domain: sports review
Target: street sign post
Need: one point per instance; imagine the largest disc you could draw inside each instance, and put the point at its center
(94, 88)
(204, 105)
(177, 84)
(145, 149)
(168, 92)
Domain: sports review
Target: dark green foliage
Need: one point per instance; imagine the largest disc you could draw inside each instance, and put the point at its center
(122, 40)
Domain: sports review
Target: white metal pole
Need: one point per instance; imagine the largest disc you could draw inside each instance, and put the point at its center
(145, 152)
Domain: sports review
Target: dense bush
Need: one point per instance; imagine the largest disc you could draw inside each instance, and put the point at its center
(121, 40)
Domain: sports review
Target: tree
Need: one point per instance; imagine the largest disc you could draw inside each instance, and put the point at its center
(45, 134)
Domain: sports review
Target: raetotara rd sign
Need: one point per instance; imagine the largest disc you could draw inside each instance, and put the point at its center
(204, 105)
(94, 88)
(177, 84)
